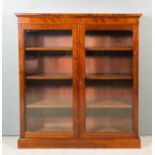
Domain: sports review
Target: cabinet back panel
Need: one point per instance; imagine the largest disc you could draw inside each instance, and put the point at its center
(109, 120)
(48, 38)
(108, 39)
(46, 103)
(48, 90)
(109, 62)
(48, 62)
(109, 106)
(115, 90)
(46, 120)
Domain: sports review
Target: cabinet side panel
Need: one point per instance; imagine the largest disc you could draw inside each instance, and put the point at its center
(22, 80)
(135, 80)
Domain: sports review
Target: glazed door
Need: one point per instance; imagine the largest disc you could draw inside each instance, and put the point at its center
(106, 81)
(50, 81)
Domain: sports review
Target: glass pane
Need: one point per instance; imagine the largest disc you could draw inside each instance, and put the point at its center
(109, 62)
(49, 63)
(109, 85)
(48, 38)
(108, 106)
(49, 106)
(108, 39)
(49, 94)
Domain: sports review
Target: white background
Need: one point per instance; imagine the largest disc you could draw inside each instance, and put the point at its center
(10, 50)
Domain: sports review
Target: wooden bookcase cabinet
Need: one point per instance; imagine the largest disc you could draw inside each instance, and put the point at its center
(78, 80)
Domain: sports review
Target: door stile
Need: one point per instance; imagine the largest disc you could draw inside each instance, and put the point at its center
(75, 83)
(82, 80)
(82, 84)
(75, 78)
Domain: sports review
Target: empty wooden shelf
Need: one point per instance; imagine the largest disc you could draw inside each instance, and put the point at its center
(54, 129)
(110, 104)
(53, 103)
(50, 76)
(78, 80)
(91, 49)
(99, 76)
(48, 49)
(94, 104)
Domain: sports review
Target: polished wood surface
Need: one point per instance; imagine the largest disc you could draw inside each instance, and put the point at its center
(56, 104)
(22, 80)
(80, 143)
(94, 104)
(48, 49)
(123, 49)
(78, 80)
(101, 76)
(50, 76)
(47, 39)
(108, 39)
(136, 15)
(113, 19)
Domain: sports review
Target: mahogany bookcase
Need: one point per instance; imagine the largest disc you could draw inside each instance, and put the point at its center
(78, 80)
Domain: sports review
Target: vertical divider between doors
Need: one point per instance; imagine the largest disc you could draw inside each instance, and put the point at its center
(75, 83)
(82, 80)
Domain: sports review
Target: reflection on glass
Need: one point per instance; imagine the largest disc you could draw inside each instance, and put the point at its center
(48, 68)
(108, 106)
(108, 80)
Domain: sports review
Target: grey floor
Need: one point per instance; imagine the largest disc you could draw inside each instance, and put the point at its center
(10, 148)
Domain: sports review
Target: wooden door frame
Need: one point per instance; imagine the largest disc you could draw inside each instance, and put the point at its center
(82, 85)
(23, 132)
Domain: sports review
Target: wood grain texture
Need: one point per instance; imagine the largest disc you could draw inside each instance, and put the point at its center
(82, 65)
(80, 143)
(50, 76)
(135, 79)
(136, 15)
(45, 133)
(63, 104)
(78, 18)
(102, 76)
(90, 61)
(53, 104)
(123, 49)
(48, 49)
(22, 80)
(75, 83)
